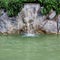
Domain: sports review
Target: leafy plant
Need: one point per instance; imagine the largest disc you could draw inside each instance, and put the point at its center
(28, 0)
(14, 7)
(1, 4)
(50, 4)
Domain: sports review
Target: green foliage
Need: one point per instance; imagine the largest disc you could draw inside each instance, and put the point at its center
(1, 4)
(28, 0)
(50, 4)
(43, 11)
(15, 6)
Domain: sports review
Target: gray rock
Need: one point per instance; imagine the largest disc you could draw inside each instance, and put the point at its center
(50, 26)
(39, 22)
(52, 14)
(7, 24)
(20, 23)
(58, 22)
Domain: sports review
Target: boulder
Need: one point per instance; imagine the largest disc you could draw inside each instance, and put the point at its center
(7, 24)
(50, 27)
(52, 14)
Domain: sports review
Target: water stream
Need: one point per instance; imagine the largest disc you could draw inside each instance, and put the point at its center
(31, 11)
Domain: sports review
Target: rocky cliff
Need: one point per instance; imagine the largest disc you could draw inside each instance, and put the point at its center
(49, 23)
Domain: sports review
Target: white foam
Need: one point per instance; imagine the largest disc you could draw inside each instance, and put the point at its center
(29, 35)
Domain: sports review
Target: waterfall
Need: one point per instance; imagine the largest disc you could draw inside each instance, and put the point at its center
(31, 12)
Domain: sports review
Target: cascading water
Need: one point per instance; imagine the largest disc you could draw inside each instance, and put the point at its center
(29, 28)
(30, 15)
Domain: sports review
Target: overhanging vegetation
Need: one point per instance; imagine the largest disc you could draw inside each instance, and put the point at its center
(15, 6)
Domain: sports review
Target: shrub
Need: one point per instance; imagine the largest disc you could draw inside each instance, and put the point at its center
(15, 6)
(50, 4)
(1, 4)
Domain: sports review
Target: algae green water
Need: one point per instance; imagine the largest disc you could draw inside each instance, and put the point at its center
(16, 47)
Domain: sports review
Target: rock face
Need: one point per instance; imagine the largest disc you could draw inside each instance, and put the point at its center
(7, 24)
(31, 13)
(38, 21)
(50, 27)
(29, 19)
